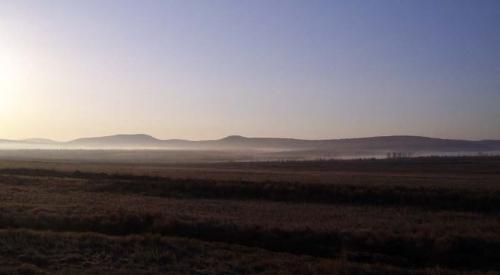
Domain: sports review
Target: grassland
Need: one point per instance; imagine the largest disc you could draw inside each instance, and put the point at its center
(407, 216)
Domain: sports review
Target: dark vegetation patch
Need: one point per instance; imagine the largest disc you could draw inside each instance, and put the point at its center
(428, 197)
(417, 165)
(40, 252)
(402, 250)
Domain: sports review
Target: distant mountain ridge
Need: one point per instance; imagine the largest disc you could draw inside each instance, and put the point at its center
(40, 141)
(122, 140)
(410, 144)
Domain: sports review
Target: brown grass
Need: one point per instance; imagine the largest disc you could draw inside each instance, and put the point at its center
(94, 220)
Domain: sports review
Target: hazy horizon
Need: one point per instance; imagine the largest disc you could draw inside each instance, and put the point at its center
(203, 70)
(39, 138)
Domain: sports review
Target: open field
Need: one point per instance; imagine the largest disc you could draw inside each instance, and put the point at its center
(400, 216)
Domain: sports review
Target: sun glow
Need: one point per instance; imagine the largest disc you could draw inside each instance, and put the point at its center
(15, 78)
(9, 81)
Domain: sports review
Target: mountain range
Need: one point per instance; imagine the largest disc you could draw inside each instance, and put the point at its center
(369, 145)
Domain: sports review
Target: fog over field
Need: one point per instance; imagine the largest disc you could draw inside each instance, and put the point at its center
(137, 148)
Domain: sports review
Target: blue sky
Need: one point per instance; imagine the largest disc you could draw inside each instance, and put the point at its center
(206, 69)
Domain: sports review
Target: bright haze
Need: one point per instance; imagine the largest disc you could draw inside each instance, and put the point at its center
(208, 69)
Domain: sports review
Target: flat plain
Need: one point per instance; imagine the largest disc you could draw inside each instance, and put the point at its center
(432, 215)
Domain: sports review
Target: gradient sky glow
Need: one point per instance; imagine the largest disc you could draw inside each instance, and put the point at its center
(205, 69)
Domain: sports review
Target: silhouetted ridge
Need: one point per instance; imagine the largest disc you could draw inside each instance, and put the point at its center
(40, 141)
(234, 138)
(118, 140)
(368, 145)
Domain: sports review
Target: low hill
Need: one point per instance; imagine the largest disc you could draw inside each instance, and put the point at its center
(352, 146)
(116, 141)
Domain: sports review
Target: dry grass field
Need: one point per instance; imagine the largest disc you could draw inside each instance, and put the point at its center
(401, 216)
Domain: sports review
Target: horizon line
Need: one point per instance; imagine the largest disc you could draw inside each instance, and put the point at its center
(236, 135)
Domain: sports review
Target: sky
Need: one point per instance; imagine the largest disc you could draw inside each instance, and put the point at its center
(205, 69)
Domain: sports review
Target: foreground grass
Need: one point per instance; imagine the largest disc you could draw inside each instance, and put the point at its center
(38, 252)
